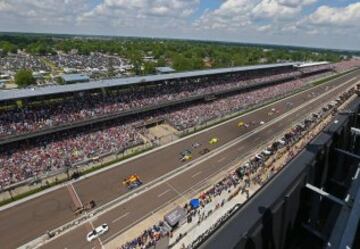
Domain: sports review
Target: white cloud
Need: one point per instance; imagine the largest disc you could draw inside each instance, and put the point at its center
(296, 3)
(157, 8)
(231, 14)
(346, 16)
(280, 9)
(42, 12)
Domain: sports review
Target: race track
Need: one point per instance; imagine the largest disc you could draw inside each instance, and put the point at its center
(31, 219)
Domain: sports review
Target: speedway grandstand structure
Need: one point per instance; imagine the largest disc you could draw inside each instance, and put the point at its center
(39, 94)
(24, 97)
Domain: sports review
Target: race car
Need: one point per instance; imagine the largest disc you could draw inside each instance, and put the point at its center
(132, 181)
(94, 234)
(204, 151)
(213, 140)
(185, 152)
(241, 124)
(186, 158)
(196, 145)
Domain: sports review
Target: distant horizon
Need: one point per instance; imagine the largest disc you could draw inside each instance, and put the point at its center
(328, 24)
(280, 45)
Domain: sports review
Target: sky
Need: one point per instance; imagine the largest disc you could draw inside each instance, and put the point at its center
(313, 23)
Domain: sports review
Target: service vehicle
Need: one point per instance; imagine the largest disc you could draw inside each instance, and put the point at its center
(94, 234)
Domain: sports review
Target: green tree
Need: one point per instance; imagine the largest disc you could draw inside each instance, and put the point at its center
(59, 80)
(149, 68)
(24, 78)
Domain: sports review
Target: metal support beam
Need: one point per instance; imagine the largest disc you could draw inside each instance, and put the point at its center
(348, 153)
(314, 232)
(355, 131)
(325, 194)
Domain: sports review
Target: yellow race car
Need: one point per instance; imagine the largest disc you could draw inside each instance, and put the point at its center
(186, 158)
(240, 124)
(213, 140)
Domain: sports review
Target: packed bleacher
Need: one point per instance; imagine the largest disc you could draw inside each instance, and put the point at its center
(95, 62)
(347, 65)
(34, 118)
(55, 152)
(15, 62)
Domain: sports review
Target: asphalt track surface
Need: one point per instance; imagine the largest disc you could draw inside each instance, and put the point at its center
(31, 219)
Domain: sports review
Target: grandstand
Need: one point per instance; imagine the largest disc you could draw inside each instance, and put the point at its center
(91, 120)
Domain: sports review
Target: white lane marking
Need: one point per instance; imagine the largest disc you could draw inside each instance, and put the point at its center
(76, 194)
(121, 217)
(221, 159)
(164, 193)
(196, 174)
(240, 148)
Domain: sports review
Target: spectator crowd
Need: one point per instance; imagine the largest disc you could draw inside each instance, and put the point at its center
(13, 63)
(32, 118)
(92, 63)
(57, 151)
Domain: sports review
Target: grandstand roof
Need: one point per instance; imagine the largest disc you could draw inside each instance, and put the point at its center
(78, 87)
(312, 64)
(165, 70)
(69, 78)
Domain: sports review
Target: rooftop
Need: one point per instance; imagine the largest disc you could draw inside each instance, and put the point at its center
(75, 77)
(78, 87)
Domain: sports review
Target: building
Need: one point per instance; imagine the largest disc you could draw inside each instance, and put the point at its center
(164, 70)
(74, 78)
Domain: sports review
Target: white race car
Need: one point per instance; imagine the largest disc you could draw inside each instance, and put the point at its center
(94, 234)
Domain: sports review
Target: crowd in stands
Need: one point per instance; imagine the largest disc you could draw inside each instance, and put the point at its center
(198, 114)
(94, 61)
(34, 118)
(47, 154)
(54, 152)
(346, 65)
(149, 237)
(12, 63)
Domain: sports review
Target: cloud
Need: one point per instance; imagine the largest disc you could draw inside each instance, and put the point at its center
(280, 9)
(231, 14)
(143, 8)
(253, 13)
(346, 16)
(40, 12)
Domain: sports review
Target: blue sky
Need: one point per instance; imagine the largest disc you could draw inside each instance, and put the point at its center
(316, 23)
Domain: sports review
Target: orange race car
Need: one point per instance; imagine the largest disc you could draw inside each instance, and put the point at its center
(132, 181)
